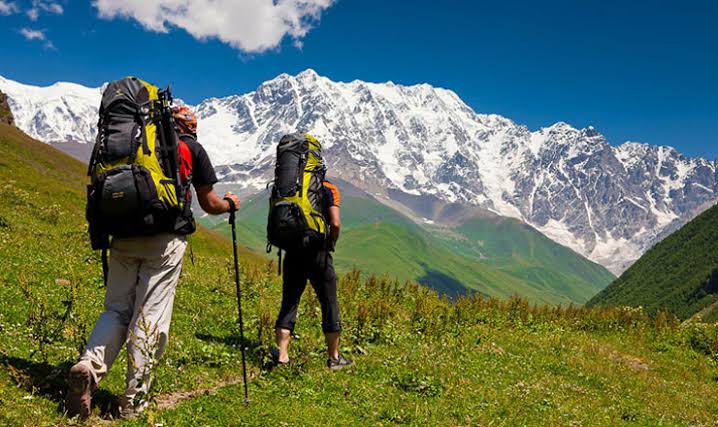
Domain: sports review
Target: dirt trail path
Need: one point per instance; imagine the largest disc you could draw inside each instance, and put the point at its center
(167, 401)
(171, 400)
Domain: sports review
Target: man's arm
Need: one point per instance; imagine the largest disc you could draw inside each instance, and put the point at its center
(335, 224)
(212, 203)
(204, 178)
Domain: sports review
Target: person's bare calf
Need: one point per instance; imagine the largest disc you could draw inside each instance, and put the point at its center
(332, 339)
(283, 337)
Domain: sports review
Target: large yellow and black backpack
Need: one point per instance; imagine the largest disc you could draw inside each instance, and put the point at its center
(135, 185)
(295, 219)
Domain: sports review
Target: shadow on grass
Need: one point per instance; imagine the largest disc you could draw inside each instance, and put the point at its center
(443, 283)
(232, 340)
(50, 381)
(40, 378)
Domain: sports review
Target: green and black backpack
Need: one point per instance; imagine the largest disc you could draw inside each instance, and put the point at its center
(295, 218)
(136, 187)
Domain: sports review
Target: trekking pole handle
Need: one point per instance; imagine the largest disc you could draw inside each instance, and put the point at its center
(232, 208)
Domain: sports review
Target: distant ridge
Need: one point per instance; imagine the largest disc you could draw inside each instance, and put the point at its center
(679, 275)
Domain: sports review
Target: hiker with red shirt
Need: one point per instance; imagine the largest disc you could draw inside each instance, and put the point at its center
(141, 284)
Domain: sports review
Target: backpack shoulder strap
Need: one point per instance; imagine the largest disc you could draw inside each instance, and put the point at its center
(105, 266)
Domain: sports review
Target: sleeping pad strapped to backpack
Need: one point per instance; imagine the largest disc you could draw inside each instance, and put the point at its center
(295, 219)
(138, 171)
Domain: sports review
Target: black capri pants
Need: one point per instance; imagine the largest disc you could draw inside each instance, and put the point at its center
(317, 266)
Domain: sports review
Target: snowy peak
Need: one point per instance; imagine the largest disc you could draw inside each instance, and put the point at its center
(609, 203)
(62, 112)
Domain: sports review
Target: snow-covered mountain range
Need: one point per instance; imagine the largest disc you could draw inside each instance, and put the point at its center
(609, 203)
(63, 112)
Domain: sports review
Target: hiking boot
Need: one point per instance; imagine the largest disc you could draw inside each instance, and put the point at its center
(340, 362)
(130, 410)
(78, 400)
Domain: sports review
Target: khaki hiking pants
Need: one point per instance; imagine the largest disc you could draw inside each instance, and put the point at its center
(141, 283)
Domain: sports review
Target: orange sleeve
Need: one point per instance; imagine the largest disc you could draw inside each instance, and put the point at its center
(336, 198)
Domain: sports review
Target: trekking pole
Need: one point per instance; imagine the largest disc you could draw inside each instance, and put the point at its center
(232, 210)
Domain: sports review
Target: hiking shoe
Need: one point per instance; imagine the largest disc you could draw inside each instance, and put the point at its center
(78, 400)
(129, 412)
(130, 409)
(340, 362)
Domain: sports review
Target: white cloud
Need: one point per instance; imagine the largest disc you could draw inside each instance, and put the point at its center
(7, 7)
(247, 25)
(38, 35)
(33, 34)
(50, 7)
(43, 6)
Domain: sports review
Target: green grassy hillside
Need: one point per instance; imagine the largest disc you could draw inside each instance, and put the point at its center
(491, 255)
(421, 360)
(520, 250)
(678, 275)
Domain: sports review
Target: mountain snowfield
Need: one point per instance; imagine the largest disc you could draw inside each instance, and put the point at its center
(609, 203)
(63, 112)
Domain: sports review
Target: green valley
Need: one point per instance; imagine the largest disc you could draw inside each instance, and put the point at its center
(488, 254)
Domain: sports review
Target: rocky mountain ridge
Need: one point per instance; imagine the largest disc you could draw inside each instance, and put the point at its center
(607, 202)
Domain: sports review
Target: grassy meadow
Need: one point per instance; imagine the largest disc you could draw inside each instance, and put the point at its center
(421, 359)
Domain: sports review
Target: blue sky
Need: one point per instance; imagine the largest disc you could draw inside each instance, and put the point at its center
(636, 70)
